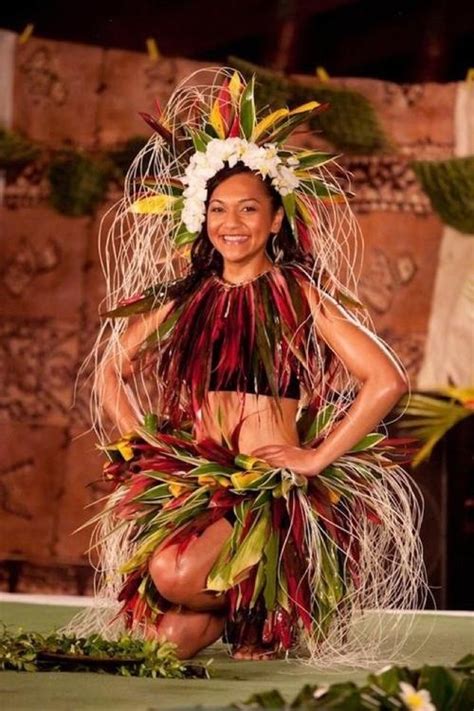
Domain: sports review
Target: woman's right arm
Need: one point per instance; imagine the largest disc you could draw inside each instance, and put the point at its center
(117, 371)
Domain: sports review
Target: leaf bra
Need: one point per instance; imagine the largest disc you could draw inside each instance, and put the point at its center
(254, 337)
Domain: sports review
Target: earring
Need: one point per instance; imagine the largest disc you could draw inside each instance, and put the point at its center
(277, 252)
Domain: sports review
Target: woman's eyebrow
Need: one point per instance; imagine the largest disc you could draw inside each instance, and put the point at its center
(241, 200)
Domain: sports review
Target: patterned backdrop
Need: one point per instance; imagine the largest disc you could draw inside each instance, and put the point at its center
(71, 95)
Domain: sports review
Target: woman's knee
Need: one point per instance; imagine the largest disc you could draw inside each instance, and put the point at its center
(172, 578)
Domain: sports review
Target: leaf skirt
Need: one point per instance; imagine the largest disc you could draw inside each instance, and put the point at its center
(310, 563)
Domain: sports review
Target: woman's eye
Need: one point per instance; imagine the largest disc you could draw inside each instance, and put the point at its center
(249, 208)
(215, 209)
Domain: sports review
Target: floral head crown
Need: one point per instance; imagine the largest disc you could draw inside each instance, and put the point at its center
(203, 129)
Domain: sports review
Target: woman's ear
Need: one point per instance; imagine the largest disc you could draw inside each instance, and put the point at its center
(277, 220)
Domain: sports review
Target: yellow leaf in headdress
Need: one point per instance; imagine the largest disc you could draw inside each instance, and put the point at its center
(304, 108)
(154, 204)
(303, 211)
(216, 120)
(268, 122)
(235, 87)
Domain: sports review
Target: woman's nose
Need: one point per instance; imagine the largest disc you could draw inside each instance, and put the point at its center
(231, 218)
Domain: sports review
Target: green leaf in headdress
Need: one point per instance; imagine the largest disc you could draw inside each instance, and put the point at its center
(247, 109)
(200, 140)
(289, 204)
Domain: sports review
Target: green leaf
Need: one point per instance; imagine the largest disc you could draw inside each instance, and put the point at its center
(271, 552)
(463, 699)
(316, 187)
(183, 236)
(368, 442)
(440, 682)
(289, 203)
(250, 551)
(266, 700)
(320, 422)
(247, 109)
(150, 422)
(313, 159)
(200, 140)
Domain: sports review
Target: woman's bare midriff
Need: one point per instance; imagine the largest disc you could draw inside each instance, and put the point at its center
(263, 422)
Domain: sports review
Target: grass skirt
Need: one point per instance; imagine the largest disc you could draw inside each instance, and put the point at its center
(307, 558)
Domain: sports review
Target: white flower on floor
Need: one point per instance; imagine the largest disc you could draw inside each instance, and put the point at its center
(320, 691)
(416, 700)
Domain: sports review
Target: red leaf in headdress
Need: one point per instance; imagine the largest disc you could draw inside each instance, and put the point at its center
(234, 131)
(157, 126)
(224, 101)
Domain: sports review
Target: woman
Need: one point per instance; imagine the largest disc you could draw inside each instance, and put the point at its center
(259, 503)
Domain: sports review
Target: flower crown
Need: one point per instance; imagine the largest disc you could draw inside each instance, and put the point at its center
(221, 127)
(264, 160)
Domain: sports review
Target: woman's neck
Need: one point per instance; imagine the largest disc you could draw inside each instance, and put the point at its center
(238, 272)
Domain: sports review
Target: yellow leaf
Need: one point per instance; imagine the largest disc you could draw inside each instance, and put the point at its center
(235, 87)
(224, 481)
(334, 496)
(154, 204)
(178, 489)
(216, 120)
(303, 210)
(267, 122)
(464, 395)
(125, 449)
(243, 479)
(207, 480)
(310, 106)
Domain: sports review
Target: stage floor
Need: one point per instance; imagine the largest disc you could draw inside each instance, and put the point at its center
(437, 638)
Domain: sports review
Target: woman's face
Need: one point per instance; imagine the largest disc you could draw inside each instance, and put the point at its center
(240, 218)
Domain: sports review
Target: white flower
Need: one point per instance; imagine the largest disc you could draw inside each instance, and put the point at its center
(196, 191)
(320, 691)
(416, 700)
(203, 165)
(285, 181)
(193, 214)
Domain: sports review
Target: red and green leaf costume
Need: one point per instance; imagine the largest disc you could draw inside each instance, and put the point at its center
(306, 556)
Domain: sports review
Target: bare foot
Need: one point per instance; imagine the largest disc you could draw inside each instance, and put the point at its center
(247, 651)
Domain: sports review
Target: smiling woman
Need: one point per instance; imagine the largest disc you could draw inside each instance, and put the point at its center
(251, 496)
(240, 217)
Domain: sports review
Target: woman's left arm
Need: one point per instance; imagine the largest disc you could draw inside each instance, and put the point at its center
(383, 384)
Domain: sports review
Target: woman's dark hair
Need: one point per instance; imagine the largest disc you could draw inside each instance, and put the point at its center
(206, 260)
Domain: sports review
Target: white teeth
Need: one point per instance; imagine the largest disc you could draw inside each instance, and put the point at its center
(234, 239)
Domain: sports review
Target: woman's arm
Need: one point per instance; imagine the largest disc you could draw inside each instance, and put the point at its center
(118, 370)
(383, 383)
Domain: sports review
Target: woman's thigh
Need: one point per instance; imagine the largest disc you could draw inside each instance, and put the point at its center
(181, 577)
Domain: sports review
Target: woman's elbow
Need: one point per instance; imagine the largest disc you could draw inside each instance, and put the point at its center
(393, 386)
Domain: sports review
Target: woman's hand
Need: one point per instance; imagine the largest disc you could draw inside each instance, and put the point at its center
(299, 460)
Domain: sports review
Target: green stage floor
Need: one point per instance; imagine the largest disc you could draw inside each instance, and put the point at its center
(437, 638)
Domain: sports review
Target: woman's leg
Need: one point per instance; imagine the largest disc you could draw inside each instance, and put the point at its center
(190, 631)
(181, 579)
